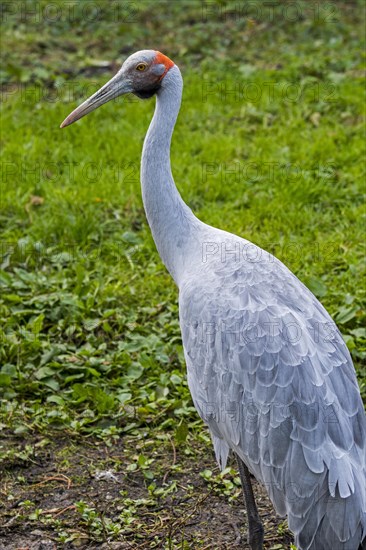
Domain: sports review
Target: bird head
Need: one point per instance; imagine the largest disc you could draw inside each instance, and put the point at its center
(141, 74)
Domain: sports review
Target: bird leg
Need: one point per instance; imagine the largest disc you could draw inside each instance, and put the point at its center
(255, 527)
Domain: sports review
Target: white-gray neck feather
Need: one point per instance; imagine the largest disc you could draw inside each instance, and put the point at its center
(172, 223)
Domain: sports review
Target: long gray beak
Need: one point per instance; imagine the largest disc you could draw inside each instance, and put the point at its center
(114, 88)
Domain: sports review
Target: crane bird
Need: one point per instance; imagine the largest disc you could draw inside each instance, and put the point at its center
(267, 368)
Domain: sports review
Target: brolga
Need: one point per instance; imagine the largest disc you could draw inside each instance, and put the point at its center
(267, 368)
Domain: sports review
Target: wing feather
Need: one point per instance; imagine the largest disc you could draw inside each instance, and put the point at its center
(272, 377)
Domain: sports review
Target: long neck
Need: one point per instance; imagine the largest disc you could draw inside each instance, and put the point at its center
(171, 221)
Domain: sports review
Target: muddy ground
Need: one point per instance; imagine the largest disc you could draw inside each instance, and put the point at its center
(44, 480)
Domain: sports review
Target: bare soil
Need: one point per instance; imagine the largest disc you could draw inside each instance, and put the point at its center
(61, 472)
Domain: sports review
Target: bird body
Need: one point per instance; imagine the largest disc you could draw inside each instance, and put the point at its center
(271, 376)
(267, 368)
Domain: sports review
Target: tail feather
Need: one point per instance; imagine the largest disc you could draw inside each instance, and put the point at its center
(221, 451)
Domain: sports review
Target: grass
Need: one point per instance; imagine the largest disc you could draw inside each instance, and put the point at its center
(268, 145)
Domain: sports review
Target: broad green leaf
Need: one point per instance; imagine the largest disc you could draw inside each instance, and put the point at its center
(175, 379)
(123, 397)
(5, 379)
(181, 433)
(135, 371)
(316, 286)
(345, 314)
(44, 372)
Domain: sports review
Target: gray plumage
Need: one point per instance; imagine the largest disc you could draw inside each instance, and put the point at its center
(273, 379)
(267, 368)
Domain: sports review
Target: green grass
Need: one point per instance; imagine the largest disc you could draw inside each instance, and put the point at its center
(268, 145)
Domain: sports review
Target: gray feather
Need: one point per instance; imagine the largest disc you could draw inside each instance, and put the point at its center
(271, 376)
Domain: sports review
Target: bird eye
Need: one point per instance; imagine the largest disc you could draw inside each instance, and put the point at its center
(141, 67)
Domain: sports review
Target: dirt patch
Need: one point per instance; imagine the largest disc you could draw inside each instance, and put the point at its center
(64, 494)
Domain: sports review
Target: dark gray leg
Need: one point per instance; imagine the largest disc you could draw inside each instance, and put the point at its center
(255, 527)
